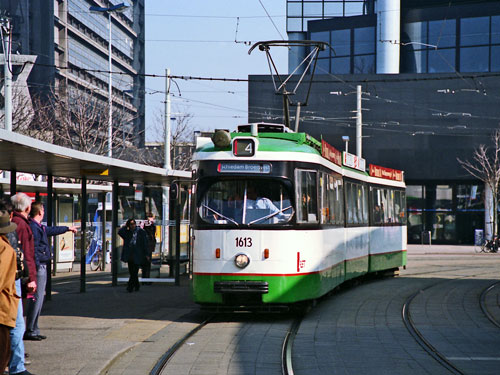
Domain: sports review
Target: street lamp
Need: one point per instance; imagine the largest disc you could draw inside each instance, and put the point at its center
(118, 8)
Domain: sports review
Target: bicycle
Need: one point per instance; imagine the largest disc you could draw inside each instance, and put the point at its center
(489, 246)
(96, 261)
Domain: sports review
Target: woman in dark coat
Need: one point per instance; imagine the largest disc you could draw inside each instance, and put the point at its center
(135, 247)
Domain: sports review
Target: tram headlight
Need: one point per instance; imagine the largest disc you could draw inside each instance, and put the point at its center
(241, 260)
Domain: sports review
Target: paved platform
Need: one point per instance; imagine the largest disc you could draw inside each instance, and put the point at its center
(85, 331)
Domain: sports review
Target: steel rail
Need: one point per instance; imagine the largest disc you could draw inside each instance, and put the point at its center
(286, 349)
(482, 303)
(426, 345)
(163, 361)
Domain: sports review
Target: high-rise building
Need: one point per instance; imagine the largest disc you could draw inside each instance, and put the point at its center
(430, 73)
(71, 43)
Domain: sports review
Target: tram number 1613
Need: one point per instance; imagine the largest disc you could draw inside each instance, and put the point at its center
(243, 241)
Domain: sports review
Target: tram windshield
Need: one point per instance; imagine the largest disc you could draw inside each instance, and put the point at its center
(250, 202)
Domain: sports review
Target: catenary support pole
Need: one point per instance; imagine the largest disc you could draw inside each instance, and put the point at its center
(110, 92)
(7, 47)
(359, 122)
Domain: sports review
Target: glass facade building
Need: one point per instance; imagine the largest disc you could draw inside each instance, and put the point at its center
(439, 105)
(72, 45)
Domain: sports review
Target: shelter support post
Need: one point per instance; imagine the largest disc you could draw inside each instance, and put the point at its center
(104, 243)
(50, 222)
(83, 235)
(114, 224)
(177, 239)
(13, 186)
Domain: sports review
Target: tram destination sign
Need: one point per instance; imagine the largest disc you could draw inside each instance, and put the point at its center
(252, 168)
(331, 153)
(387, 173)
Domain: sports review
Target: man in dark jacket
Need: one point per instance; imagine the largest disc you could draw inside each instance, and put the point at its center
(135, 247)
(43, 256)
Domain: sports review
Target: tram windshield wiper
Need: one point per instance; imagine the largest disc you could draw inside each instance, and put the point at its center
(221, 215)
(271, 215)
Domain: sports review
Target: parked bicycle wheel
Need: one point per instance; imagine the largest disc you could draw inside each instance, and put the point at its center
(96, 261)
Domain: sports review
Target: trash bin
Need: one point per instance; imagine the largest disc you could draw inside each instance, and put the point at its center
(478, 237)
(426, 237)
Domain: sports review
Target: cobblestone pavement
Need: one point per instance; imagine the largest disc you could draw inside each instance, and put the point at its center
(358, 330)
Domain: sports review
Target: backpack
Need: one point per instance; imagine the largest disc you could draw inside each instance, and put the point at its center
(22, 270)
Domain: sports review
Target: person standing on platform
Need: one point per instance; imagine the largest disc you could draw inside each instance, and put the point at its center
(43, 257)
(135, 247)
(9, 300)
(150, 228)
(17, 361)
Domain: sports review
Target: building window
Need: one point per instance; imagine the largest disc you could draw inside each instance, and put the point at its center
(341, 65)
(364, 64)
(474, 59)
(474, 31)
(313, 9)
(341, 42)
(294, 9)
(364, 40)
(441, 60)
(442, 33)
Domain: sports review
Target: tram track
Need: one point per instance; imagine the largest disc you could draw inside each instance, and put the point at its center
(420, 338)
(163, 361)
(286, 348)
(484, 307)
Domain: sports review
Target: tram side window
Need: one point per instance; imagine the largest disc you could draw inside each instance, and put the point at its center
(357, 203)
(389, 206)
(307, 208)
(332, 199)
(400, 206)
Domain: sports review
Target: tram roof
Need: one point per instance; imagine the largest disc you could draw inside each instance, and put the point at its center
(25, 154)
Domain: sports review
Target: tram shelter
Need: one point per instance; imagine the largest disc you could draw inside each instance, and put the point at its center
(20, 153)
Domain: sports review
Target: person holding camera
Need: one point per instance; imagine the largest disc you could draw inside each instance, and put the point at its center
(135, 248)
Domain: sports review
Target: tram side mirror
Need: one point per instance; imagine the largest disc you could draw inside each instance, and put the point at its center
(174, 191)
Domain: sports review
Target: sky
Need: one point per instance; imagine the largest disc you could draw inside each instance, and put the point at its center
(197, 38)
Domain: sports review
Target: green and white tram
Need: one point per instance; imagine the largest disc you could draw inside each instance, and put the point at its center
(282, 218)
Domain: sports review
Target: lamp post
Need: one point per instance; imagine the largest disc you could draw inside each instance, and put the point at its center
(118, 8)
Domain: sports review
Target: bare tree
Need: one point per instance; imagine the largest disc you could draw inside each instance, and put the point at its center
(79, 119)
(181, 137)
(485, 166)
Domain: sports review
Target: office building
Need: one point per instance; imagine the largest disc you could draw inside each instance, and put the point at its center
(71, 45)
(429, 72)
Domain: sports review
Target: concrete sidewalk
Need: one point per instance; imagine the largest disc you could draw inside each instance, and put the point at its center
(85, 331)
(109, 331)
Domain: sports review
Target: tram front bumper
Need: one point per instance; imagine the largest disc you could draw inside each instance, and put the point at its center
(241, 287)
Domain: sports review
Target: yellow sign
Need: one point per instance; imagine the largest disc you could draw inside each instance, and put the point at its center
(95, 172)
